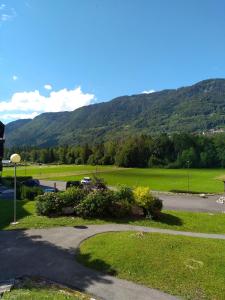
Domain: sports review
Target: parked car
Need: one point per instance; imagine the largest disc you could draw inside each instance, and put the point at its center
(50, 190)
(31, 182)
(86, 180)
(73, 184)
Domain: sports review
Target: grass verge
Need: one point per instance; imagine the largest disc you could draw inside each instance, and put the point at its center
(189, 267)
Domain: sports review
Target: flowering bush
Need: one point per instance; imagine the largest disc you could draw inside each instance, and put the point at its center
(151, 205)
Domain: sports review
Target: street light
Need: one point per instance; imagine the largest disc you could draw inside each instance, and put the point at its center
(15, 159)
(188, 166)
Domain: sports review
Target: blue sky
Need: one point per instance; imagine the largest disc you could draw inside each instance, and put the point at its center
(61, 54)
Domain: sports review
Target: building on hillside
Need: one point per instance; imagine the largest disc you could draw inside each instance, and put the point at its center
(2, 129)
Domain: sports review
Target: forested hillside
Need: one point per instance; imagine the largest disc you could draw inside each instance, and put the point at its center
(196, 108)
(178, 150)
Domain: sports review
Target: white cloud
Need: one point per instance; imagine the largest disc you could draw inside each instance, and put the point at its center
(14, 77)
(19, 116)
(28, 104)
(48, 87)
(6, 13)
(148, 92)
(5, 17)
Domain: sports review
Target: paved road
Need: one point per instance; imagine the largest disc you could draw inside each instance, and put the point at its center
(188, 202)
(50, 253)
(185, 202)
(60, 185)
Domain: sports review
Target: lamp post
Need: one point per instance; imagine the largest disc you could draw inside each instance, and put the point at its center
(15, 159)
(188, 165)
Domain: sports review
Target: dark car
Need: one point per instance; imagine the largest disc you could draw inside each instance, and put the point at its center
(73, 184)
(31, 182)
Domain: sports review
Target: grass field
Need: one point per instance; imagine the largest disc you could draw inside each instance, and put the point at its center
(176, 265)
(177, 220)
(200, 180)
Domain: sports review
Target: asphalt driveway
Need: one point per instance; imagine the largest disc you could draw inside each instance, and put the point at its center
(195, 203)
(50, 253)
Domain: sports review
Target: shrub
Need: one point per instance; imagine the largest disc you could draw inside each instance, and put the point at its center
(99, 183)
(122, 206)
(72, 196)
(142, 196)
(48, 204)
(121, 209)
(125, 193)
(96, 204)
(151, 205)
(155, 207)
(28, 192)
(9, 183)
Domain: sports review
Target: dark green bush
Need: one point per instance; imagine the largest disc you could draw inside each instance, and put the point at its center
(8, 182)
(54, 203)
(155, 207)
(125, 193)
(28, 192)
(121, 209)
(72, 196)
(96, 204)
(122, 205)
(98, 183)
(49, 204)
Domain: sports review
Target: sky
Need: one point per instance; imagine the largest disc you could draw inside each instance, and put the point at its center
(58, 55)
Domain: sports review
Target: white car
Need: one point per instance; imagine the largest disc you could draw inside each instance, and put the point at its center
(86, 180)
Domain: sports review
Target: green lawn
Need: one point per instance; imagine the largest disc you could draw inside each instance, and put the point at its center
(39, 290)
(200, 180)
(28, 219)
(55, 171)
(189, 267)
(177, 220)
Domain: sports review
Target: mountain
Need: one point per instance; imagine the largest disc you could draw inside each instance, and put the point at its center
(195, 108)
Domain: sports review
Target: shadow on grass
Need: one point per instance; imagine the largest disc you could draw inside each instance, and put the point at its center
(40, 288)
(97, 264)
(23, 253)
(163, 218)
(7, 212)
(169, 219)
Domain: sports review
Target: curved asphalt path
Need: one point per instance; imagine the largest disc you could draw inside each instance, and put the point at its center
(50, 253)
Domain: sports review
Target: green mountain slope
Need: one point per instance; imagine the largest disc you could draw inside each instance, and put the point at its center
(192, 109)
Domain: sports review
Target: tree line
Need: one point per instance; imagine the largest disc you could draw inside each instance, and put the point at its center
(175, 151)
